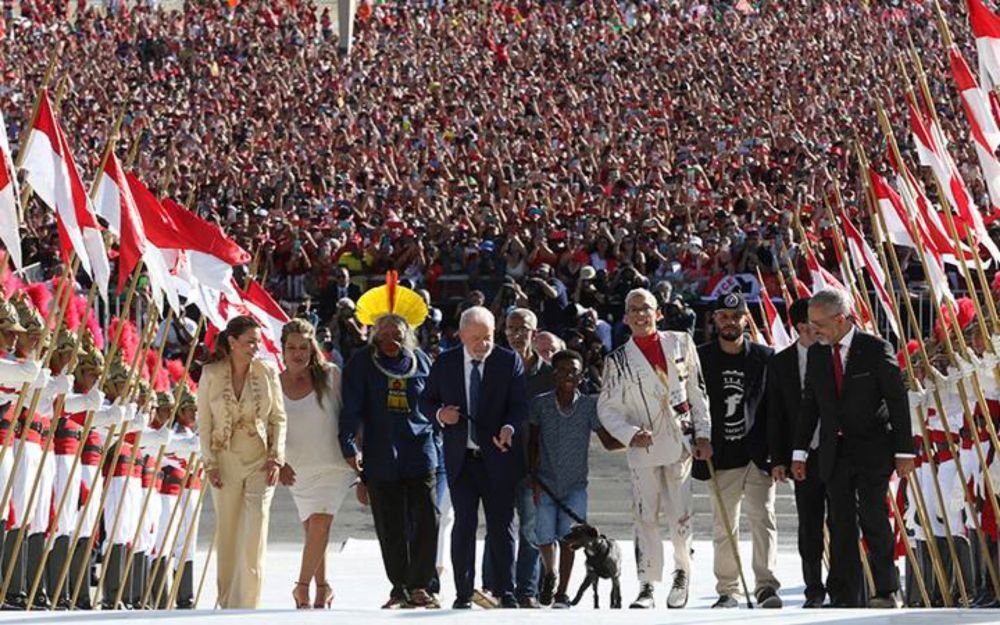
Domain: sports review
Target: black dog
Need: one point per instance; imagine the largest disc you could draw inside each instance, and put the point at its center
(604, 561)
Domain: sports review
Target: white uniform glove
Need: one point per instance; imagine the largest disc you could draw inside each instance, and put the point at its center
(13, 374)
(84, 402)
(41, 380)
(918, 410)
(109, 415)
(139, 419)
(183, 445)
(153, 439)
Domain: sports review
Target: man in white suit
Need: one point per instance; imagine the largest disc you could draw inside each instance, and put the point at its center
(653, 400)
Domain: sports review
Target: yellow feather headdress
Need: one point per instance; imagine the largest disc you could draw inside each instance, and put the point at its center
(390, 298)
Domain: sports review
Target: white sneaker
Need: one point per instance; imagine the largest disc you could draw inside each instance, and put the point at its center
(678, 596)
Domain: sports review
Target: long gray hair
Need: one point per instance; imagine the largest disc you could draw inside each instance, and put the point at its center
(410, 342)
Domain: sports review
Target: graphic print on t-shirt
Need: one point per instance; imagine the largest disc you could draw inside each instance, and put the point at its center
(734, 422)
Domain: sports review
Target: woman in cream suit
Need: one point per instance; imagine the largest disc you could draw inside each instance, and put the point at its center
(241, 417)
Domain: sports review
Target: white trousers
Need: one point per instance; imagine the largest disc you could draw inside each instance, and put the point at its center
(24, 477)
(164, 537)
(666, 491)
(70, 513)
(91, 480)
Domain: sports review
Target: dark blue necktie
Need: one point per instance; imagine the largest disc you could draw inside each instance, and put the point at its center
(475, 381)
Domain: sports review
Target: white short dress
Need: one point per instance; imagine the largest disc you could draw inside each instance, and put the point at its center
(322, 476)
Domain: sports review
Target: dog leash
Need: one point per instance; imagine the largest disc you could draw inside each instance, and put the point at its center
(558, 502)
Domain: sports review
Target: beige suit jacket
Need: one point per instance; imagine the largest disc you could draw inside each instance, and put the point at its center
(219, 411)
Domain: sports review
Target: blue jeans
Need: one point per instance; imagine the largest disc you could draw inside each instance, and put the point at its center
(529, 565)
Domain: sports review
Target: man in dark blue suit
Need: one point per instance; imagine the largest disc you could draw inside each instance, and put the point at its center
(479, 395)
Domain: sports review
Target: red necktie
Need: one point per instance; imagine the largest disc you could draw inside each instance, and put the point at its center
(838, 368)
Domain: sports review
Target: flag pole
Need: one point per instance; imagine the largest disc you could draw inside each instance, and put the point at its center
(64, 295)
(131, 391)
(56, 416)
(152, 485)
(69, 271)
(173, 415)
(163, 556)
(877, 227)
(763, 313)
(964, 355)
(187, 545)
(87, 426)
(931, 371)
(204, 571)
(106, 449)
(182, 503)
(860, 289)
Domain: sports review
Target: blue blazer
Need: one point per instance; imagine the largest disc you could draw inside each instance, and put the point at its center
(503, 400)
(395, 445)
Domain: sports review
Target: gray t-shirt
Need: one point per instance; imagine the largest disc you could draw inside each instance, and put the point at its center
(563, 440)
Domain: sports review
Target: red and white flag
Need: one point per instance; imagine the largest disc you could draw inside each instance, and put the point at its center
(255, 302)
(117, 206)
(265, 310)
(821, 277)
(982, 123)
(986, 28)
(776, 328)
(903, 231)
(10, 199)
(922, 213)
(53, 176)
(197, 248)
(933, 153)
(864, 258)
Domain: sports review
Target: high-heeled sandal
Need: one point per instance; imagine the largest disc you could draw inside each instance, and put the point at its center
(297, 593)
(324, 596)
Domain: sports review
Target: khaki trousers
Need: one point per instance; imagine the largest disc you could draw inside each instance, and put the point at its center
(242, 507)
(666, 491)
(757, 488)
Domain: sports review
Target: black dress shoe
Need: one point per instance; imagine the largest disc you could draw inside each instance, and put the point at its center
(813, 602)
(462, 604)
(508, 602)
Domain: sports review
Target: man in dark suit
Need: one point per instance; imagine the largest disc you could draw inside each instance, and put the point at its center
(480, 397)
(734, 369)
(340, 287)
(855, 391)
(786, 373)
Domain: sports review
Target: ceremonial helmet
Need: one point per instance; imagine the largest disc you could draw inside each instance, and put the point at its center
(118, 374)
(9, 321)
(90, 359)
(164, 399)
(391, 299)
(66, 341)
(31, 319)
(187, 400)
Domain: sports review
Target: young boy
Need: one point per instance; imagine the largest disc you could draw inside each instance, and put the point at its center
(560, 423)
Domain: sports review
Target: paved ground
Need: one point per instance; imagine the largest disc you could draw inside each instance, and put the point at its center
(610, 508)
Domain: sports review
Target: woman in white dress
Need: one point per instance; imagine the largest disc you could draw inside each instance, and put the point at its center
(315, 470)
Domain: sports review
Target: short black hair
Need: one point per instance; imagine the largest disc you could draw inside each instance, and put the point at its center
(799, 311)
(566, 354)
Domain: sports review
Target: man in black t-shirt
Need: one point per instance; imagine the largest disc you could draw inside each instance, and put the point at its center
(735, 372)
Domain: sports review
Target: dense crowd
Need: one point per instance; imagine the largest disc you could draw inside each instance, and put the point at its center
(555, 154)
